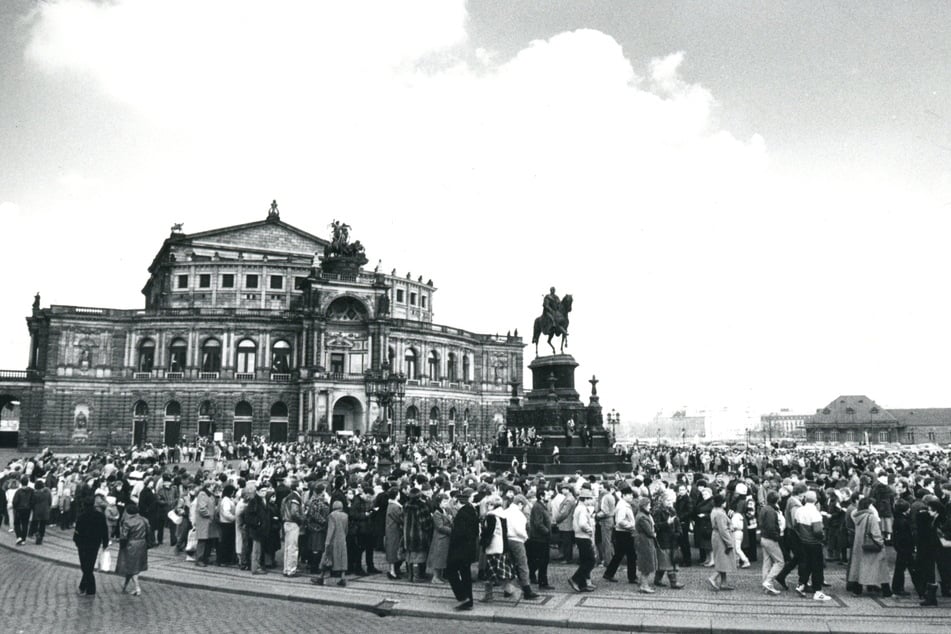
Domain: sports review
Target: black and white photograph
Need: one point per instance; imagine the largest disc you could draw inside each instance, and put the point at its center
(475, 316)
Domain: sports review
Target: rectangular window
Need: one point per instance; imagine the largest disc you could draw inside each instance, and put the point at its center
(336, 363)
(204, 280)
(250, 281)
(182, 281)
(277, 282)
(422, 300)
(299, 283)
(931, 436)
(412, 299)
(850, 436)
(910, 437)
(883, 436)
(399, 295)
(833, 436)
(227, 280)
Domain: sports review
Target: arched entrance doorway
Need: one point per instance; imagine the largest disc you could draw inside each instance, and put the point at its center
(348, 414)
(278, 422)
(243, 414)
(434, 423)
(140, 418)
(9, 420)
(173, 423)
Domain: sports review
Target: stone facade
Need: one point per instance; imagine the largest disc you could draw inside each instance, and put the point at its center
(243, 332)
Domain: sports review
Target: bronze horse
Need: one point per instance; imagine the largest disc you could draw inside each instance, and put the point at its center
(543, 325)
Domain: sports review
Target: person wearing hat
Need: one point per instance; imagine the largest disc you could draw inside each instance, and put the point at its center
(582, 524)
(538, 546)
(335, 548)
(463, 549)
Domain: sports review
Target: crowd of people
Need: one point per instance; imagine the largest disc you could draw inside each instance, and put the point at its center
(435, 512)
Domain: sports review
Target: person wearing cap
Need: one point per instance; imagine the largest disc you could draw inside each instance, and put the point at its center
(538, 546)
(335, 548)
(583, 528)
(809, 529)
(463, 549)
(624, 524)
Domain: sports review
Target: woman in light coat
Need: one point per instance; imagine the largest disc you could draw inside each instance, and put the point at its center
(724, 560)
(868, 567)
(135, 538)
(335, 548)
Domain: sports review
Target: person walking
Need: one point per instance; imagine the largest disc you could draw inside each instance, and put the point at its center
(724, 561)
(463, 549)
(809, 529)
(206, 525)
(417, 534)
(667, 527)
(517, 536)
(583, 528)
(135, 539)
(22, 507)
(771, 524)
(42, 502)
(790, 536)
(624, 520)
(442, 529)
(91, 534)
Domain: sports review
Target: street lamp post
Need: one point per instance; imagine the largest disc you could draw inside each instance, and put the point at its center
(385, 386)
(613, 419)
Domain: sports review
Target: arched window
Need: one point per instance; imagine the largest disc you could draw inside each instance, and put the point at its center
(174, 408)
(434, 422)
(434, 365)
(177, 355)
(434, 415)
(281, 357)
(391, 355)
(452, 414)
(347, 309)
(451, 367)
(146, 360)
(211, 356)
(279, 410)
(411, 364)
(247, 351)
(243, 410)
(141, 409)
(412, 413)
(465, 368)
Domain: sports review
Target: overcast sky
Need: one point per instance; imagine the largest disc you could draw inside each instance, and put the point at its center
(749, 202)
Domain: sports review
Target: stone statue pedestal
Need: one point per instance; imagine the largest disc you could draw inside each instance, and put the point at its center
(342, 264)
(548, 406)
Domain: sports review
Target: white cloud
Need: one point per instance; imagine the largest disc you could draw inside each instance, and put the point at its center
(9, 209)
(567, 164)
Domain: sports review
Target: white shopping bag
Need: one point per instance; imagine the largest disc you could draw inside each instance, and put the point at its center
(105, 562)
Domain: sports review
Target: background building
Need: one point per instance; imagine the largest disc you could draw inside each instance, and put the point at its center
(784, 424)
(249, 330)
(858, 419)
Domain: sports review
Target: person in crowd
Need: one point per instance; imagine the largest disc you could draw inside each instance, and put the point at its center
(463, 549)
(393, 537)
(166, 498)
(563, 518)
(791, 536)
(135, 539)
(257, 520)
(810, 532)
(624, 527)
(868, 567)
(207, 528)
(645, 544)
(538, 546)
(605, 517)
(316, 517)
(227, 510)
(684, 509)
(517, 535)
(703, 525)
(90, 535)
(42, 502)
(722, 542)
(417, 534)
(771, 523)
(582, 527)
(903, 540)
(494, 541)
(442, 529)
(667, 527)
(22, 507)
(335, 548)
(292, 516)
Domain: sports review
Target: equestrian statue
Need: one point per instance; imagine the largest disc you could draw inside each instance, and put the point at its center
(554, 320)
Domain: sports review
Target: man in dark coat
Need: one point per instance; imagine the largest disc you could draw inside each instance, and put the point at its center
(42, 501)
(91, 534)
(463, 549)
(22, 507)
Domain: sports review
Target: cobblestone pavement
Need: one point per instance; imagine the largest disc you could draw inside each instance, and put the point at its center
(39, 597)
